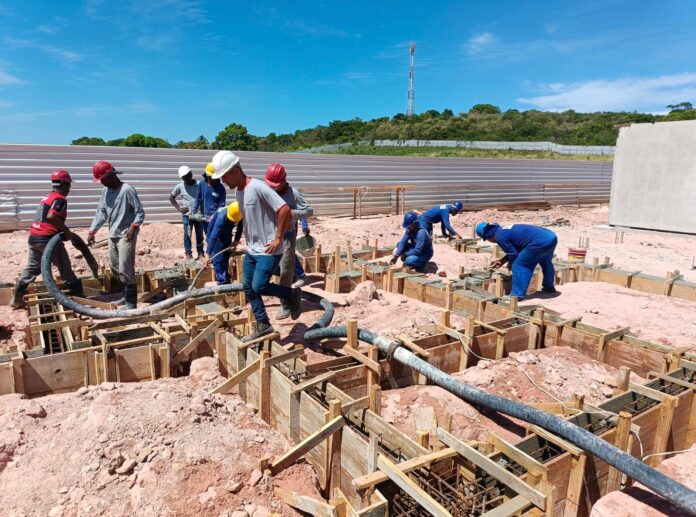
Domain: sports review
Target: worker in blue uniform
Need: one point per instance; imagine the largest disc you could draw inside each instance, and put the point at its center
(441, 214)
(220, 244)
(525, 246)
(210, 196)
(416, 247)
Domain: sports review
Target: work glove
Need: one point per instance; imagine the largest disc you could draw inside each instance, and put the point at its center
(90, 239)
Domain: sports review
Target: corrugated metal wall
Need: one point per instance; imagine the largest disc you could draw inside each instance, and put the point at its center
(25, 169)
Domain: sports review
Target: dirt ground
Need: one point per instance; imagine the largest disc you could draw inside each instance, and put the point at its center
(637, 501)
(155, 448)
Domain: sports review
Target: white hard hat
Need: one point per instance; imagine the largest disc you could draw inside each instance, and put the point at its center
(224, 162)
(184, 170)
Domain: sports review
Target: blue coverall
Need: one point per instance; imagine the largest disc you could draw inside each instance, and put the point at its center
(438, 214)
(208, 200)
(220, 237)
(525, 246)
(415, 248)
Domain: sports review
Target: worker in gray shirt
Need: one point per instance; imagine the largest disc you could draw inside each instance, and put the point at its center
(266, 219)
(121, 209)
(186, 190)
(276, 178)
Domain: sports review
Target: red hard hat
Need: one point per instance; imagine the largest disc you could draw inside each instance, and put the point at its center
(275, 175)
(102, 169)
(60, 176)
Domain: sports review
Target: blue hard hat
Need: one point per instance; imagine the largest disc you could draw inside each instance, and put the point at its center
(409, 219)
(486, 230)
(458, 206)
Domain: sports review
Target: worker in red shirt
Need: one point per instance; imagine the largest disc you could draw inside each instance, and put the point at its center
(49, 219)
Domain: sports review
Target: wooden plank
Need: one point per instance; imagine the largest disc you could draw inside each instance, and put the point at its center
(662, 432)
(673, 380)
(146, 296)
(264, 401)
(416, 349)
(243, 345)
(183, 323)
(377, 477)
(312, 382)
(103, 325)
(237, 378)
(517, 455)
(649, 392)
(357, 405)
(305, 503)
(621, 437)
(163, 333)
(411, 488)
(93, 303)
(372, 365)
(196, 341)
(531, 494)
(576, 481)
(72, 323)
(293, 354)
(510, 507)
(333, 450)
(18, 375)
(557, 440)
(311, 441)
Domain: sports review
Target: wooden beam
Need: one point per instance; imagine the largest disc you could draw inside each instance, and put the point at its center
(183, 323)
(196, 341)
(411, 488)
(357, 405)
(103, 325)
(491, 467)
(165, 335)
(288, 356)
(311, 441)
(237, 378)
(517, 455)
(72, 323)
(372, 365)
(305, 503)
(264, 402)
(333, 450)
(352, 337)
(653, 394)
(510, 507)
(246, 344)
(550, 437)
(416, 349)
(312, 382)
(662, 432)
(377, 477)
(623, 433)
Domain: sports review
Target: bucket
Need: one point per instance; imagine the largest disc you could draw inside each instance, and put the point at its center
(305, 245)
(577, 254)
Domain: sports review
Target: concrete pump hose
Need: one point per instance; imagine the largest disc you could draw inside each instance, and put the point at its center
(92, 312)
(661, 484)
(82, 247)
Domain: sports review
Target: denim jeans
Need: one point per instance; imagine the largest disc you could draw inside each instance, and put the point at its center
(417, 263)
(198, 228)
(299, 270)
(256, 280)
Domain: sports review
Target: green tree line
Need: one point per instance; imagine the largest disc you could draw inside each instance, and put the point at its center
(481, 122)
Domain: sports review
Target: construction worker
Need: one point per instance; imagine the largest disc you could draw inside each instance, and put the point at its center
(415, 248)
(266, 219)
(441, 214)
(187, 190)
(299, 270)
(210, 196)
(525, 246)
(49, 219)
(220, 244)
(121, 209)
(276, 178)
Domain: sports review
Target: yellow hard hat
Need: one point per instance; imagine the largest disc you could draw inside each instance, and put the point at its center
(233, 212)
(209, 169)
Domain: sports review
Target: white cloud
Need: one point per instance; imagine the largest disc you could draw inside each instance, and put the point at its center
(625, 93)
(7, 78)
(5, 104)
(551, 28)
(479, 42)
(153, 43)
(62, 55)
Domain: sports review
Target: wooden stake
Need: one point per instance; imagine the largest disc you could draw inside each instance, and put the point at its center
(374, 251)
(337, 269)
(373, 355)
(375, 397)
(623, 432)
(623, 379)
(306, 445)
(333, 451)
(352, 333)
(445, 318)
(363, 273)
(264, 387)
(317, 259)
(664, 426)
(423, 438)
(349, 253)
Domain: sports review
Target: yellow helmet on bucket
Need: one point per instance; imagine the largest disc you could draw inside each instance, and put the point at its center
(233, 212)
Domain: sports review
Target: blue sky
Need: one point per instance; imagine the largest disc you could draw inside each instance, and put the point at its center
(177, 69)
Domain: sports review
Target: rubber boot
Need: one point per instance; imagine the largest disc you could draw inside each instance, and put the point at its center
(284, 312)
(18, 297)
(130, 293)
(75, 288)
